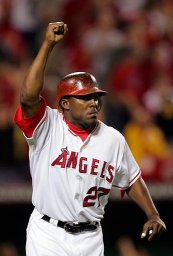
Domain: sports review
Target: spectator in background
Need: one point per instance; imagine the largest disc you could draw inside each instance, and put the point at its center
(160, 17)
(99, 51)
(25, 20)
(129, 9)
(129, 76)
(148, 144)
(13, 148)
(126, 82)
(161, 59)
(78, 14)
(7, 90)
(159, 100)
(12, 44)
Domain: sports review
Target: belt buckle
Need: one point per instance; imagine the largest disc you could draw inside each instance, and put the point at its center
(75, 227)
(71, 227)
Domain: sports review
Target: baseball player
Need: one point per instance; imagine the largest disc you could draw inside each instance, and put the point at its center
(75, 159)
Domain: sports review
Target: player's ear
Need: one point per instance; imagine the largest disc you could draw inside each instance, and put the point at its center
(64, 104)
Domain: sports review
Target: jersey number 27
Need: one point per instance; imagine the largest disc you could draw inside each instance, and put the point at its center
(93, 196)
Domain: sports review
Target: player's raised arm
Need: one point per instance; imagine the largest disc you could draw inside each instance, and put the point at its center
(33, 83)
(139, 193)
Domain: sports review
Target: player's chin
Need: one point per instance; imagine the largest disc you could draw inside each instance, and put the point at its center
(91, 121)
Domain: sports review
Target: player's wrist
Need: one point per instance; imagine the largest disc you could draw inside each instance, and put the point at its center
(154, 216)
(48, 45)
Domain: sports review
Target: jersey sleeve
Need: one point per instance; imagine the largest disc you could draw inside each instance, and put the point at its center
(128, 171)
(28, 125)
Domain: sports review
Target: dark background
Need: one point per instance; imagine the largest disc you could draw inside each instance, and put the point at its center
(122, 218)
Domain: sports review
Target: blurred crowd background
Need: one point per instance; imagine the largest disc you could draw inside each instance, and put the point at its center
(127, 45)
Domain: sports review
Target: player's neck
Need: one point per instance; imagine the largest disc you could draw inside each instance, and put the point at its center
(78, 128)
(81, 126)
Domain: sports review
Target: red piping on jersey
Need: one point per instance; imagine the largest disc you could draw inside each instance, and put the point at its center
(123, 190)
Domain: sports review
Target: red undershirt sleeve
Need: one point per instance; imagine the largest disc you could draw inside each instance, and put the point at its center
(28, 125)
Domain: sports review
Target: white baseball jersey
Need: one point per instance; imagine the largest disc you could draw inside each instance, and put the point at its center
(72, 178)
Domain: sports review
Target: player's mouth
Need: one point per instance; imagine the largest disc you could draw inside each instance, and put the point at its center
(93, 114)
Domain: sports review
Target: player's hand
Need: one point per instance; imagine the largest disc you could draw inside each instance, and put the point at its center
(153, 227)
(55, 32)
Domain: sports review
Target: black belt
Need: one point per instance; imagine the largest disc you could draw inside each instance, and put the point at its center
(74, 227)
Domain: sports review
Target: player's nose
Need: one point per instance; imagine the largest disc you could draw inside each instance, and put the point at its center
(94, 102)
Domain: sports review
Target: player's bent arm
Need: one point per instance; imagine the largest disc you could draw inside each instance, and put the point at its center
(139, 193)
(33, 83)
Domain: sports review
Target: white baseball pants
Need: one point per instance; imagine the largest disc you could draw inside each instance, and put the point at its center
(46, 239)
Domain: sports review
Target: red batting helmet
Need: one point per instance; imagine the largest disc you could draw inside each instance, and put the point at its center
(78, 83)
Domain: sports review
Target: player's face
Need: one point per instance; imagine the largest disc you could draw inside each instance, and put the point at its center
(83, 110)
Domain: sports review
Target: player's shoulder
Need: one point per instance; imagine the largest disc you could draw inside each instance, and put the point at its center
(52, 113)
(53, 116)
(112, 131)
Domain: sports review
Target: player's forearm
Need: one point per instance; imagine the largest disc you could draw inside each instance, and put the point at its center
(139, 193)
(34, 80)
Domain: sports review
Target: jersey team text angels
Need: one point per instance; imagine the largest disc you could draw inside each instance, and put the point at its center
(65, 169)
